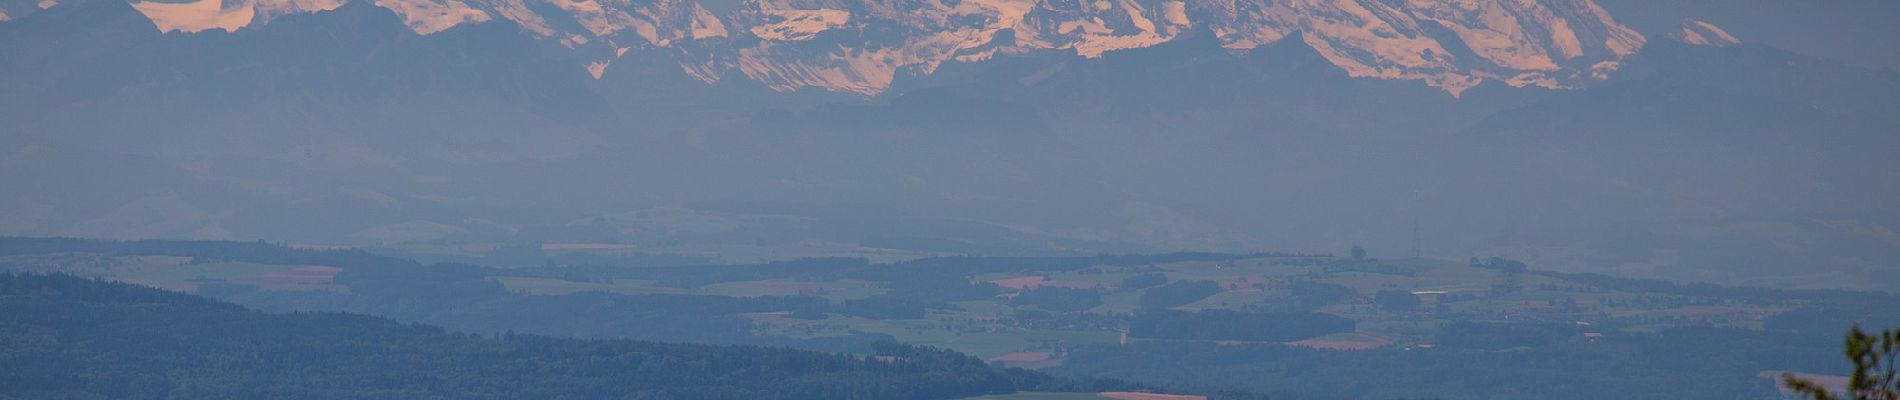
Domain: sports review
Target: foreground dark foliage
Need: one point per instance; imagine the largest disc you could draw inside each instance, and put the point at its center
(68, 337)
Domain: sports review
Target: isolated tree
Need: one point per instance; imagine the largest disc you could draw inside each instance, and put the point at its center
(1358, 253)
(1874, 358)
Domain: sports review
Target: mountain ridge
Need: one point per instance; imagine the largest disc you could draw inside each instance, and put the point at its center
(860, 47)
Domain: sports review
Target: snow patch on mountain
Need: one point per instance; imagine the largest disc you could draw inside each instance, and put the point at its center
(196, 16)
(705, 25)
(864, 72)
(597, 68)
(1701, 33)
(1093, 35)
(204, 15)
(518, 12)
(431, 16)
(792, 24)
(1494, 33)
(1523, 42)
(598, 20)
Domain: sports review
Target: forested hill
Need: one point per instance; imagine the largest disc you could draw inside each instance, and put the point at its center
(69, 337)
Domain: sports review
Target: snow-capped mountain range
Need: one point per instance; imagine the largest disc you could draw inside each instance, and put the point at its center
(1625, 136)
(861, 46)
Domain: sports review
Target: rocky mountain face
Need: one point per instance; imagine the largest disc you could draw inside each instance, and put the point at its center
(861, 46)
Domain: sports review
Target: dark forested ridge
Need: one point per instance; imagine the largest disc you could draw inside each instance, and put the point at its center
(69, 337)
(1206, 322)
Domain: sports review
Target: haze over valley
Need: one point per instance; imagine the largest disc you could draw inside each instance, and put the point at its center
(1011, 180)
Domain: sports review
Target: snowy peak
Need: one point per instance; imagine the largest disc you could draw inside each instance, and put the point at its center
(1449, 44)
(203, 15)
(1701, 33)
(862, 46)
